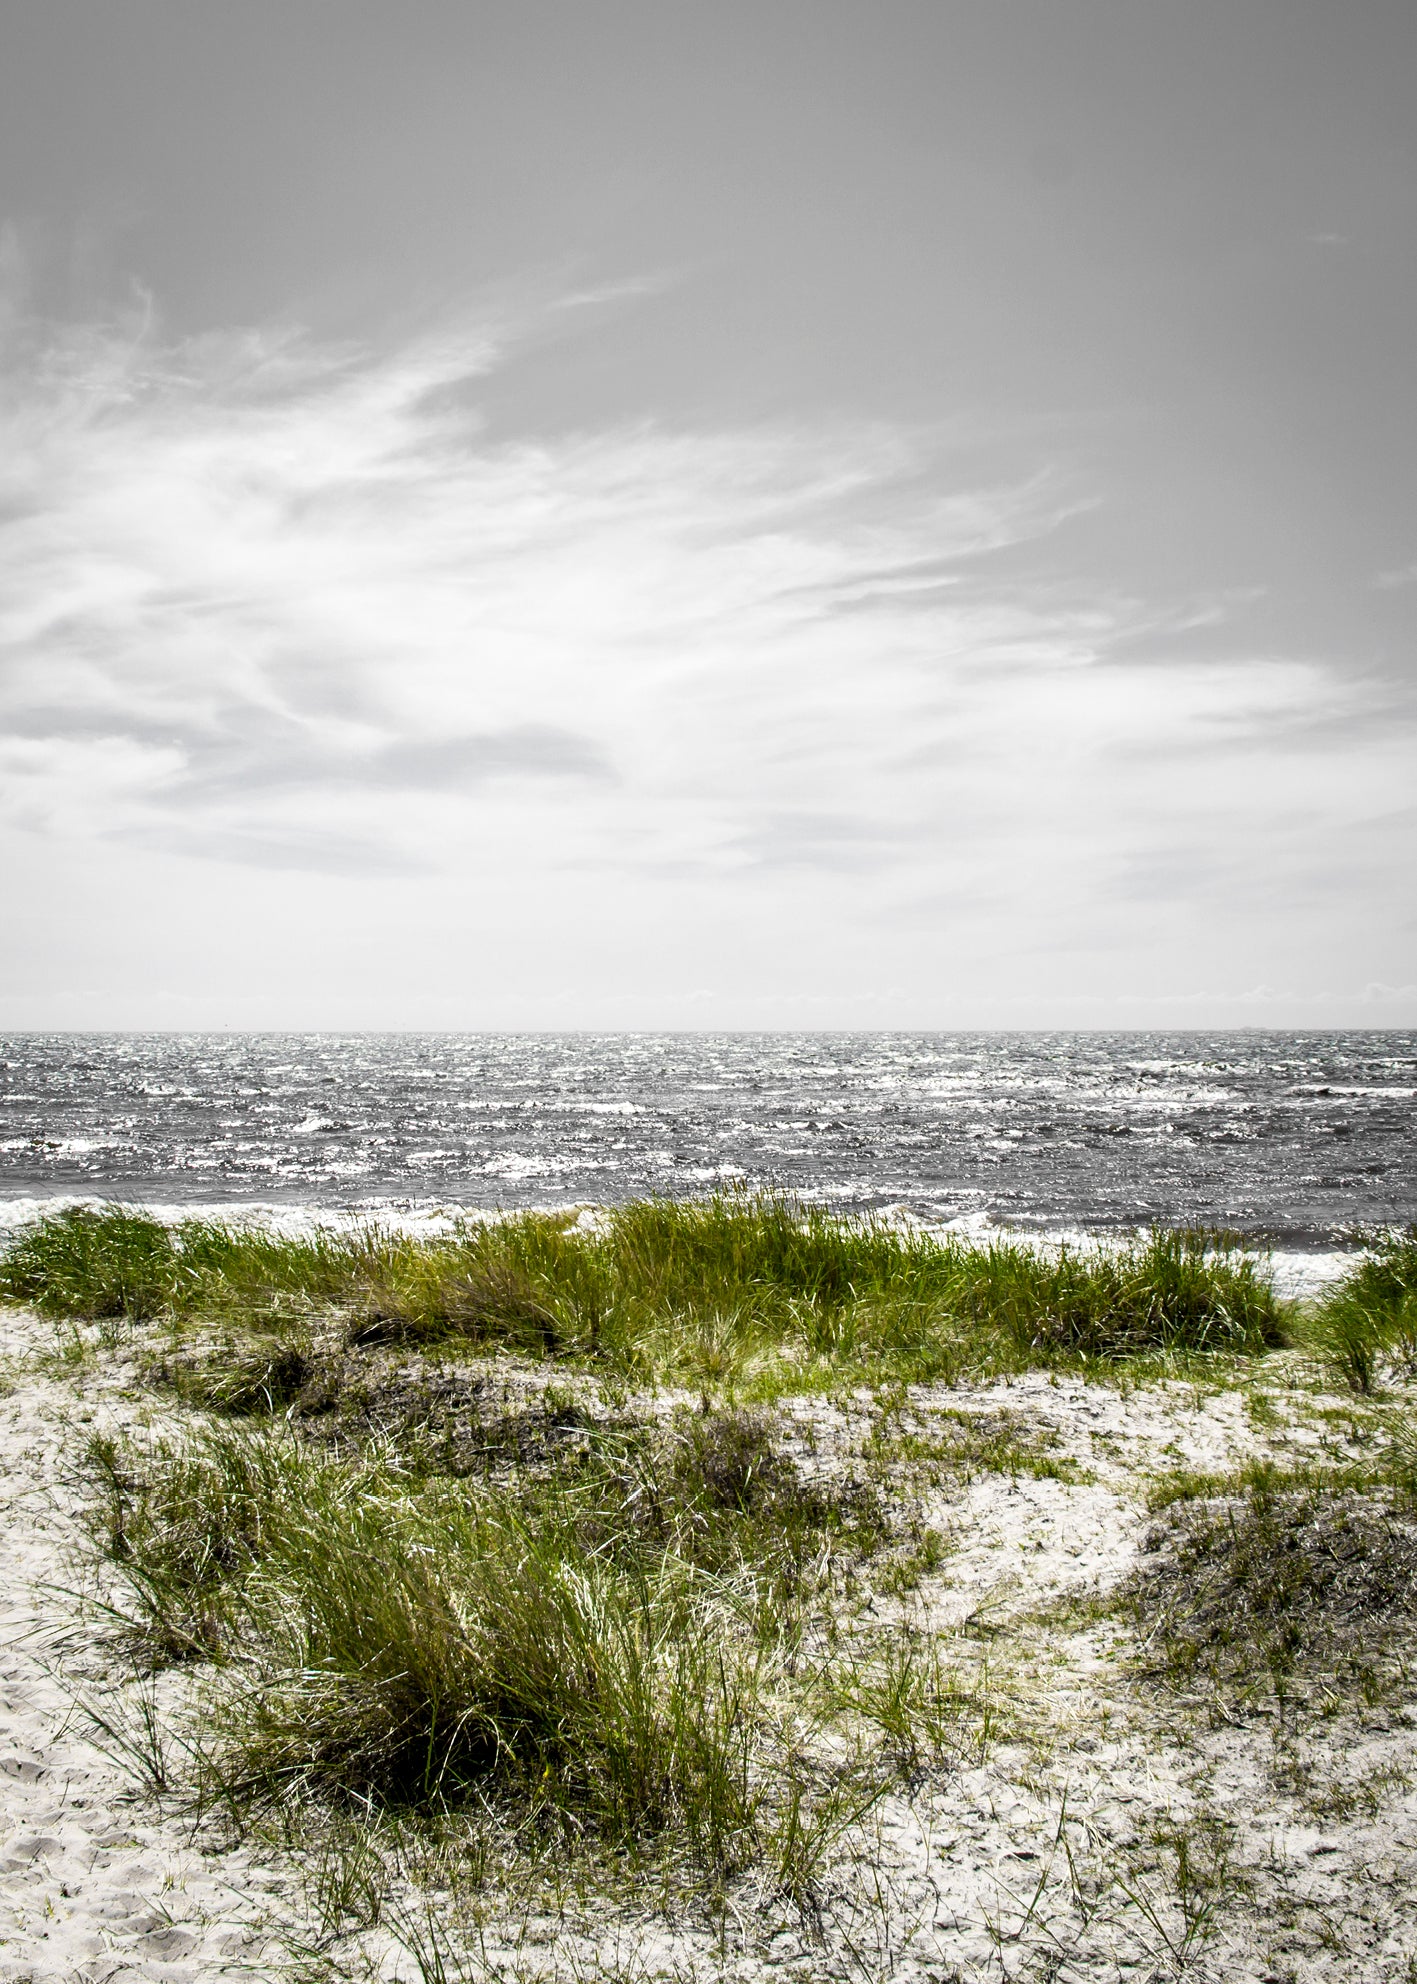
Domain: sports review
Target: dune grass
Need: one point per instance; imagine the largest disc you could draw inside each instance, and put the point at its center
(735, 1289)
(601, 1624)
(1370, 1317)
(92, 1265)
(609, 1649)
(414, 1644)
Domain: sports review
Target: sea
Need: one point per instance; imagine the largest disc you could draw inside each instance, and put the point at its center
(1298, 1140)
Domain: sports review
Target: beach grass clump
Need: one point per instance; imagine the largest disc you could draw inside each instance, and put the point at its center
(1185, 1292)
(419, 1649)
(1370, 1317)
(733, 1291)
(107, 1261)
(92, 1264)
(417, 1642)
(1284, 1581)
(598, 1646)
(184, 1523)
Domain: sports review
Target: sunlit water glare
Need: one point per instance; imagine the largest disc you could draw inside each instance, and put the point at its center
(1294, 1136)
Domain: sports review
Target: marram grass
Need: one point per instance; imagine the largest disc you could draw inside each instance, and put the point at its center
(1369, 1319)
(658, 1638)
(732, 1290)
(610, 1654)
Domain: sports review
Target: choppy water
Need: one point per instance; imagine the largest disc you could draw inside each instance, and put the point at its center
(1296, 1136)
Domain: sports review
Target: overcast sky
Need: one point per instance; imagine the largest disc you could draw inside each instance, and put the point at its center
(651, 514)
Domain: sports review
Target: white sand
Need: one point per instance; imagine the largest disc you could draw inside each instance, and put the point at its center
(1038, 1862)
(96, 1882)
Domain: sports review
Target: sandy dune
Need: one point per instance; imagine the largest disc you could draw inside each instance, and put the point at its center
(1054, 1856)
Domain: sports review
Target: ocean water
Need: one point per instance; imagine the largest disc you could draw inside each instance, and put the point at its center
(1298, 1138)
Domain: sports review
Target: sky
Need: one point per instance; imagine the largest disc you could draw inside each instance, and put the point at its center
(625, 513)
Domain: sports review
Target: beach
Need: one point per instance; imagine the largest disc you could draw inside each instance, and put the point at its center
(1056, 1802)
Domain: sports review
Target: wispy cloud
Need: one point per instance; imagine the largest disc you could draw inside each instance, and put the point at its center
(246, 577)
(283, 605)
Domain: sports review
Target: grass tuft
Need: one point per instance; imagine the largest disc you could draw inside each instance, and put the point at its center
(1370, 1317)
(594, 1644)
(413, 1642)
(93, 1264)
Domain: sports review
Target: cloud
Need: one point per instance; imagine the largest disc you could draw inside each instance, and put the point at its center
(456, 764)
(250, 579)
(246, 752)
(834, 842)
(285, 606)
(306, 850)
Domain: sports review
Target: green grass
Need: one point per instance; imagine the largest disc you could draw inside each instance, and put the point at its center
(631, 1653)
(93, 1265)
(114, 1262)
(186, 1521)
(735, 1292)
(553, 1623)
(601, 1645)
(1370, 1318)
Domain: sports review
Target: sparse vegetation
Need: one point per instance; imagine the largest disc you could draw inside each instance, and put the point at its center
(1280, 1581)
(957, 1445)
